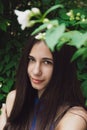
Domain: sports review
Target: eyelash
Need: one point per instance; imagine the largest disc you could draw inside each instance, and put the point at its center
(31, 59)
(47, 62)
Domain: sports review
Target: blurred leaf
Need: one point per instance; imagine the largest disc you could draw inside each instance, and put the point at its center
(63, 15)
(40, 28)
(82, 22)
(3, 26)
(52, 9)
(46, 2)
(8, 73)
(82, 64)
(4, 23)
(1, 68)
(1, 79)
(2, 96)
(74, 38)
(52, 33)
(44, 26)
(82, 76)
(77, 39)
(57, 2)
(7, 88)
(7, 58)
(9, 66)
(84, 88)
(79, 53)
(1, 7)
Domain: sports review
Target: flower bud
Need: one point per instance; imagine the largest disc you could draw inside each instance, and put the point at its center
(35, 11)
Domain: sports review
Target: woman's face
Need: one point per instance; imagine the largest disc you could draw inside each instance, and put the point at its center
(40, 67)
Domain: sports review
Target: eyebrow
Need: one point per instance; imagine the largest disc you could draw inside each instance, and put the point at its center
(46, 58)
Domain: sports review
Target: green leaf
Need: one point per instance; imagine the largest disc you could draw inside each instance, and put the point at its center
(7, 58)
(2, 96)
(84, 88)
(44, 26)
(78, 53)
(75, 38)
(9, 66)
(51, 9)
(81, 22)
(1, 67)
(82, 76)
(82, 64)
(4, 24)
(1, 7)
(39, 29)
(46, 2)
(3, 27)
(7, 88)
(62, 41)
(57, 2)
(1, 79)
(63, 15)
(53, 35)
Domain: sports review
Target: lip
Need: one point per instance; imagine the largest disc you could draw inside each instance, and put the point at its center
(36, 81)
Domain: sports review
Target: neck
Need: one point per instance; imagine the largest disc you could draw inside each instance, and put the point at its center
(40, 92)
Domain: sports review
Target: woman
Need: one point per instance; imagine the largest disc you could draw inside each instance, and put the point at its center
(47, 94)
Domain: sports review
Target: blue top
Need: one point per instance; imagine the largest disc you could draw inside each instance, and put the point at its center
(35, 118)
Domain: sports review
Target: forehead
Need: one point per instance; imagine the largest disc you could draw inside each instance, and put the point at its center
(40, 49)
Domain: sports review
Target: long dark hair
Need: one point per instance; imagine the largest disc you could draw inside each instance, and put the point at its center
(62, 92)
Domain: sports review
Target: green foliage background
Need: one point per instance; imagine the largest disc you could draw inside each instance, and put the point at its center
(12, 39)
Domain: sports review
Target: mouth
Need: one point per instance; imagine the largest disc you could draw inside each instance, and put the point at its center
(36, 81)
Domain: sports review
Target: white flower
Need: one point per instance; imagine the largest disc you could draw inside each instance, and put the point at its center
(0, 84)
(49, 26)
(83, 20)
(23, 18)
(8, 24)
(35, 11)
(40, 36)
(70, 13)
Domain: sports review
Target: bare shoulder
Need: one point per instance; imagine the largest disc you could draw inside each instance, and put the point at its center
(10, 101)
(74, 119)
(80, 111)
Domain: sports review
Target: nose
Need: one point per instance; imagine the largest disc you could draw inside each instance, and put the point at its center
(37, 69)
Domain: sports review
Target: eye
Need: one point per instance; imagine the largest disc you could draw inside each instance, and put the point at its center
(31, 59)
(47, 62)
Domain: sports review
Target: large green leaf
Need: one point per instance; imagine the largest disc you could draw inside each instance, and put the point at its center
(53, 35)
(75, 38)
(44, 26)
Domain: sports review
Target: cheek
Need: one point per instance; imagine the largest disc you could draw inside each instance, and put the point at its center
(49, 73)
(28, 69)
